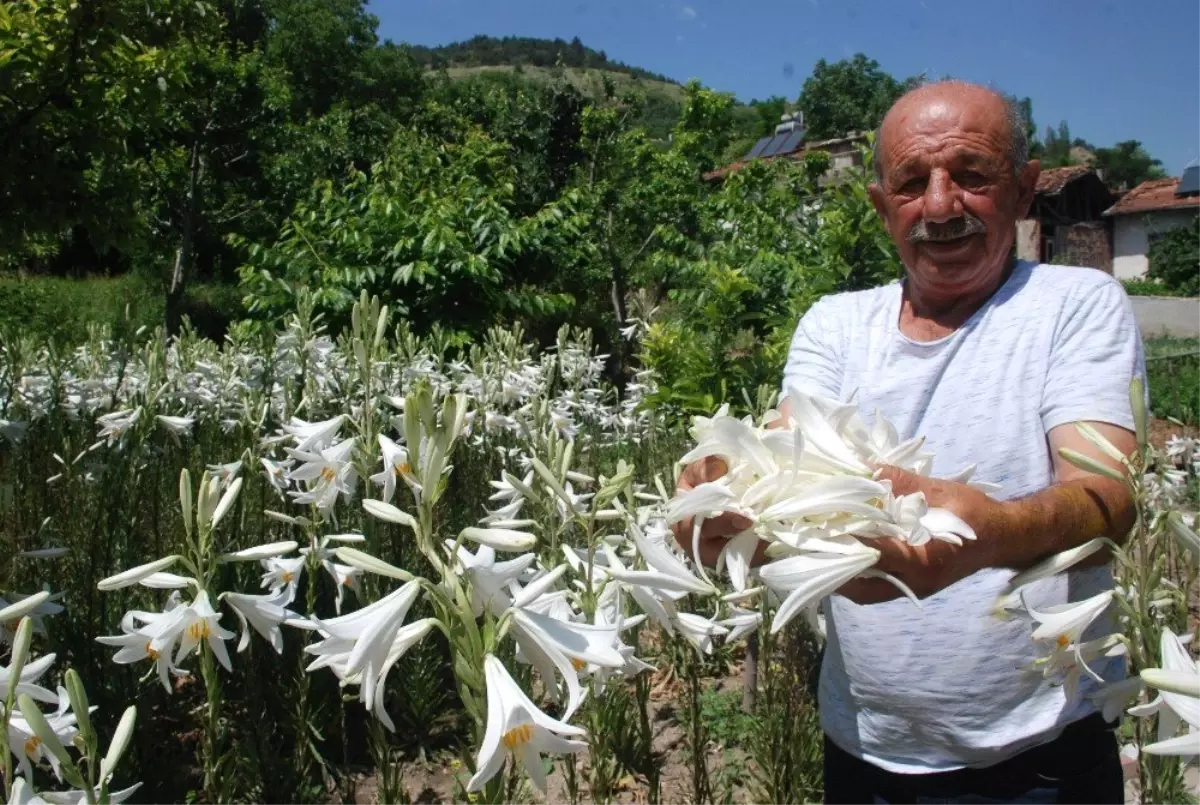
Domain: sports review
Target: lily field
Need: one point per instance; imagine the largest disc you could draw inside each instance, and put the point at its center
(300, 567)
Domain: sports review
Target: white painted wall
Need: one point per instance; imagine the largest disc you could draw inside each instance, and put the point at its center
(1167, 315)
(1131, 239)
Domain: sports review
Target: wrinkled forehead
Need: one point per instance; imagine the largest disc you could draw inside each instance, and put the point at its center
(936, 125)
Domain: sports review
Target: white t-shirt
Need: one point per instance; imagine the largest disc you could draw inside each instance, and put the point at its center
(947, 686)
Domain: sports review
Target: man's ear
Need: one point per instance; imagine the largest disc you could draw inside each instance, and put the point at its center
(877, 200)
(1027, 186)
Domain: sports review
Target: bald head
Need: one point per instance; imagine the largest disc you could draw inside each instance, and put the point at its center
(963, 94)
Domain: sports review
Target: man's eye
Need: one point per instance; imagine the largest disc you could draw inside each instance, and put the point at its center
(914, 185)
(971, 179)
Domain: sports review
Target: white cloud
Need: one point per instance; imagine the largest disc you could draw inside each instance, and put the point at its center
(687, 14)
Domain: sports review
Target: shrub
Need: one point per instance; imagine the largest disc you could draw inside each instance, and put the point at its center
(60, 310)
(1150, 288)
(1175, 259)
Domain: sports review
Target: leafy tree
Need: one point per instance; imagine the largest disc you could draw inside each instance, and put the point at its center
(1175, 259)
(1127, 164)
(77, 82)
(1056, 146)
(431, 228)
(848, 95)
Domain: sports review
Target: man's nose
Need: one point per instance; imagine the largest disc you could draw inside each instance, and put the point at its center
(943, 202)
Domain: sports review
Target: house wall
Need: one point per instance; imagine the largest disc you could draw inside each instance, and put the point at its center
(1084, 244)
(1131, 239)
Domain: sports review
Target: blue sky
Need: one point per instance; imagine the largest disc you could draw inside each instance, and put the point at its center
(1113, 69)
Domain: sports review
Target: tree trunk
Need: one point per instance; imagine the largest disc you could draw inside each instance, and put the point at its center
(181, 272)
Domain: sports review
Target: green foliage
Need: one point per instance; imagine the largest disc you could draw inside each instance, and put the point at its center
(1127, 164)
(848, 95)
(61, 310)
(1149, 287)
(522, 50)
(1175, 259)
(1173, 377)
(432, 229)
(725, 721)
(773, 242)
(1056, 145)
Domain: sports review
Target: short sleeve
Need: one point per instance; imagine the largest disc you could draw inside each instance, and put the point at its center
(1096, 352)
(814, 363)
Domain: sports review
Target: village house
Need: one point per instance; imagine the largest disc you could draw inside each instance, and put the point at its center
(788, 143)
(1145, 213)
(1066, 222)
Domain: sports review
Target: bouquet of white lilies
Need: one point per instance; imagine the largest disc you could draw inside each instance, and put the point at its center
(807, 482)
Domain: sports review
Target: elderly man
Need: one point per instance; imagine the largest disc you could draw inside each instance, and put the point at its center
(993, 360)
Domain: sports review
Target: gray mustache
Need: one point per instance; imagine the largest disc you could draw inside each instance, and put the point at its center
(968, 224)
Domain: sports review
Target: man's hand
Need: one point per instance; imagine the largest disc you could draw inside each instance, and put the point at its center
(931, 567)
(716, 531)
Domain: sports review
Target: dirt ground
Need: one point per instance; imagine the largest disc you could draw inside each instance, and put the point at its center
(432, 781)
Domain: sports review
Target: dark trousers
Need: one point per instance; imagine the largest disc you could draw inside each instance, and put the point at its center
(1081, 765)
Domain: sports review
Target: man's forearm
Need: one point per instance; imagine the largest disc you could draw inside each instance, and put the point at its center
(1061, 517)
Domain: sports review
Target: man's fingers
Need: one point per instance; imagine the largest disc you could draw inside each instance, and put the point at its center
(725, 525)
(903, 482)
(709, 468)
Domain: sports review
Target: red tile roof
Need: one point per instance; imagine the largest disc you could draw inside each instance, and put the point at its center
(1154, 194)
(1053, 180)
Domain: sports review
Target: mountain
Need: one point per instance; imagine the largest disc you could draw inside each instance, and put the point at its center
(510, 51)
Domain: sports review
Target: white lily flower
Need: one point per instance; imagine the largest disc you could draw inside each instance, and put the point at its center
(28, 748)
(1065, 623)
(277, 473)
(30, 673)
(314, 436)
(699, 631)
(227, 473)
(740, 622)
(358, 646)
(135, 643)
(551, 644)
(1174, 706)
(264, 612)
(13, 430)
(395, 465)
(176, 426)
(490, 579)
(516, 727)
(283, 574)
(22, 792)
(115, 425)
(76, 797)
(808, 578)
(326, 474)
(189, 625)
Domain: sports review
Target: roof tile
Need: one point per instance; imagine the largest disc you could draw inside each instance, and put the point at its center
(1154, 194)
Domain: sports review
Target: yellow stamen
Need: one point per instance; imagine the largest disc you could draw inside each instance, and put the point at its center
(31, 745)
(518, 736)
(402, 469)
(328, 474)
(578, 664)
(151, 653)
(199, 631)
(287, 577)
(1063, 641)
